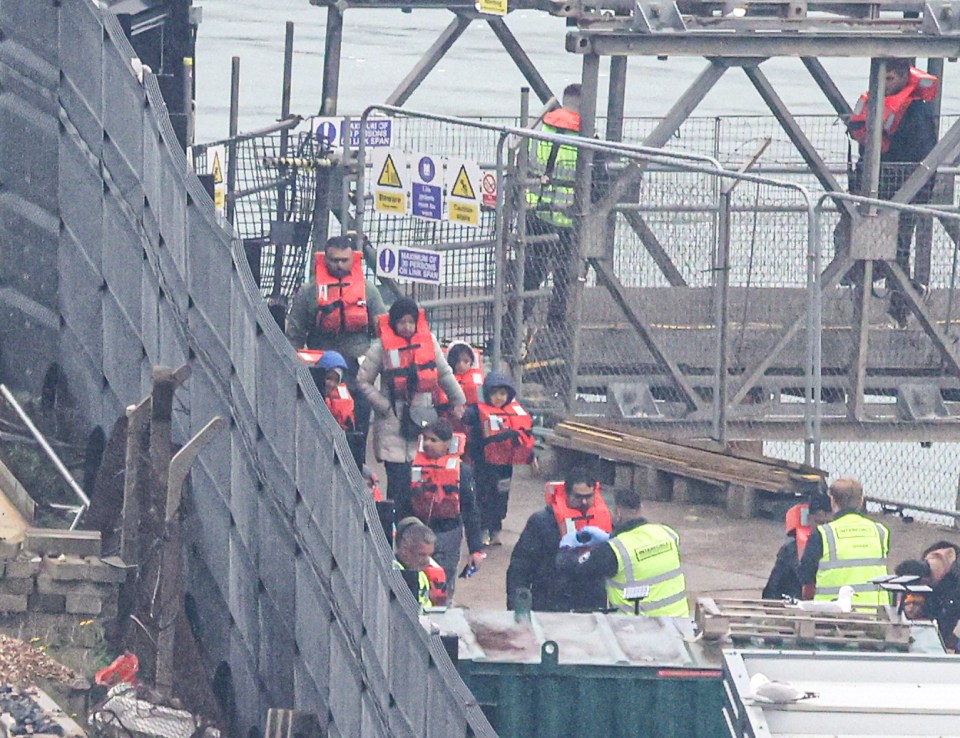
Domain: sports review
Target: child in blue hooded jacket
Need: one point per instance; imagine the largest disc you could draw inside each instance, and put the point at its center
(501, 436)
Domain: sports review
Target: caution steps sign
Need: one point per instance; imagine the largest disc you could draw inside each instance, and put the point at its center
(390, 186)
(462, 186)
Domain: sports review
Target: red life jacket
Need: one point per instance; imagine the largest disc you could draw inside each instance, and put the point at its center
(341, 303)
(794, 522)
(341, 407)
(471, 382)
(435, 483)
(438, 583)
(565, 121)
(399, 354)
(570, 519)
(310, 356)
(496, 420)
(920, 86)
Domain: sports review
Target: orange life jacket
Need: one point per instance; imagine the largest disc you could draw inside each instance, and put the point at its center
(570, 519)
(563, 120)
(341, 407)
(920, 86)
(438, 583)
(496, 420)
(435, 483)
(471, 382)
(400, 354)
(794, 522)
(310, 356)
(341, 303)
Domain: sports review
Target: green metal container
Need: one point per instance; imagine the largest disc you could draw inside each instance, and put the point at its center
(588, 675)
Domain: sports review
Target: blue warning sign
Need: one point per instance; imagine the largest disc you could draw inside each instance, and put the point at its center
(426, 201)
(427, 169)
(387, 260)
(408, 264)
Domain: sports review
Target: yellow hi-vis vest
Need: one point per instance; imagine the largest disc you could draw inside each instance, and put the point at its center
(649, 556)
(553, 201)
(423, 585)
(854, 551)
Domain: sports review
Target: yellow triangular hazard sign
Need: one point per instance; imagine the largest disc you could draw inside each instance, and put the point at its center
(462, 187)
(216, 170)
(389, 177)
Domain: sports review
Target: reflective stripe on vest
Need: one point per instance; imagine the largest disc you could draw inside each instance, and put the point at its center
(855, 551)
(423, 585)
(649, 556)
(341, 301)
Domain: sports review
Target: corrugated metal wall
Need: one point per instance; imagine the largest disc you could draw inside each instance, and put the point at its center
(288, 568)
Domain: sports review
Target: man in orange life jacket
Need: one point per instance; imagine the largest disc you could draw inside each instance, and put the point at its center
(441, 495)
(910, 133)
(501, 435)
(784, 579)
(337, 310)
(577, 503)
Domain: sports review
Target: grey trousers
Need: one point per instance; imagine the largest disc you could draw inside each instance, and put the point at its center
(447, 554)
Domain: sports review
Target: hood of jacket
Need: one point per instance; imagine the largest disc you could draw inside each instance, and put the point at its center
(473, 353)
(499, 379)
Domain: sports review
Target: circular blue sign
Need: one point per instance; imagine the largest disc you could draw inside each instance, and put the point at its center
(327, 133)
(427, 169)
(388, 260)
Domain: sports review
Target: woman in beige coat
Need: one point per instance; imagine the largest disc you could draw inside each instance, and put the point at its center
(399, 408)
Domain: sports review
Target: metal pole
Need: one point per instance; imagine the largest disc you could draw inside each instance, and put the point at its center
(520, 267)
(813, 410)
(188, 99)
(276, 294)
(582, 208)
(331, 60)
(232, 144)
(345, 222)
(721, 273)
(870, 174)
(47, 449)
(500, 264)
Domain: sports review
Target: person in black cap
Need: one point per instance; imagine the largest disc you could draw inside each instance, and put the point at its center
(337, 310)
(411, 366)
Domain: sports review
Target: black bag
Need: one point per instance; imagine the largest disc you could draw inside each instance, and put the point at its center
(414, 419)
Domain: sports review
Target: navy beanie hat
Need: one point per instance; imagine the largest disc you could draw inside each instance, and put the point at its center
(402, 306)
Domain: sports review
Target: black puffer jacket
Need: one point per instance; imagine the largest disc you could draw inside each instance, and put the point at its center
(533, 565)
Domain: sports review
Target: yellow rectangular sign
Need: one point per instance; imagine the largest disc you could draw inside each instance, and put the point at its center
(492, 7)
(390, 202)
(464, 212)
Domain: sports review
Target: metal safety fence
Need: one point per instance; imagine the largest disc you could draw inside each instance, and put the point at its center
(293, 596)
(661, 239)
(687, 280)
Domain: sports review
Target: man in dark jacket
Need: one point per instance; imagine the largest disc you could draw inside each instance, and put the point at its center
(533, 561)
(784, 579)
(909, 144)
(943, 603)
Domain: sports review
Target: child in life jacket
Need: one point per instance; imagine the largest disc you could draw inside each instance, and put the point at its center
(501, 436)
(442, 496)
(332, 366)
(468, 370)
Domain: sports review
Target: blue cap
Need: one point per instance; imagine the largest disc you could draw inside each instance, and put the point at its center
(332, 360)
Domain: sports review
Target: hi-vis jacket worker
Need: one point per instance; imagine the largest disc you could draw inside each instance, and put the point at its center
(850, 549)
(414, 548)
(642, 559)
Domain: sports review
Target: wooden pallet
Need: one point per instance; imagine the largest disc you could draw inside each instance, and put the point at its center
(740, 621)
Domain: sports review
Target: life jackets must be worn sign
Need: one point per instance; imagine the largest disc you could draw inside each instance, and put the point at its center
(390, 170)
(463, 186)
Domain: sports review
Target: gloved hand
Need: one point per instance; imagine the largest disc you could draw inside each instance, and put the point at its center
(591, 535)
(587, 536)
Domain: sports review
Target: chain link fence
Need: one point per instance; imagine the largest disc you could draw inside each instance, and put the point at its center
(660, 247)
